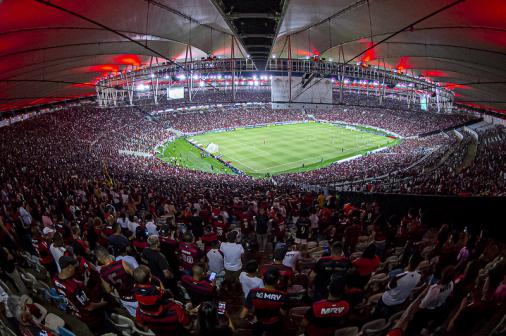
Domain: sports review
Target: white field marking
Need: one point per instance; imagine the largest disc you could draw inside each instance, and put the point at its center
(289, 163)
(241, 163)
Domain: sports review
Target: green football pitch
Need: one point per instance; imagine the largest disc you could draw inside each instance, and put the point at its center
(274, 149)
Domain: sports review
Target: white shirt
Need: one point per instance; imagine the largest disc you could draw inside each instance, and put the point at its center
(132, 226)
(215, 261)
(123, 222)
(130, 260)
(291, 258)
(152, 228)
(4, 297)
(405, 285)
(57, 253)
(232, 256)
(248, 283)
(436, 296)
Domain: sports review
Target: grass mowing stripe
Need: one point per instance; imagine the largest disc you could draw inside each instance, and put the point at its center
(285, 148)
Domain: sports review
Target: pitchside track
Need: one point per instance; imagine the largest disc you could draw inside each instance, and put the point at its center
(278, 149)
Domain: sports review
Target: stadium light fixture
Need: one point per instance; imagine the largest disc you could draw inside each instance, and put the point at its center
(142, 87)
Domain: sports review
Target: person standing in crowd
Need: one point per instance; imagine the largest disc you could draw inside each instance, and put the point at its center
(399, 288)
(150, 225)
(215, 263)
(326, 267)
(433, 306)
(261, 229)
(365, 266)
(157, 311)
(232, 256)
(196, 224)
(325, 316)
(189, 253)
(292, 256)
(117, 241)
(268, 305)
(249, 279)
(158, 263)
(285, 272)
(57, 249)
(117, 275)
(80, 304)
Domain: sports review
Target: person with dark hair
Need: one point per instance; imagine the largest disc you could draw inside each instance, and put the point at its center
(249, 278)
(117, 275)
(268, 305)
(433, 306)
(232, 257)
(196, 224)
(399, 288)
(117, 241)
(79, 248)
(210, 323)
(189, 253)
(286, 273)
(157, 311)
(198, 288)
(365, 266)
(325, 316)
(261, 222)
(327, 266)
(150, 225)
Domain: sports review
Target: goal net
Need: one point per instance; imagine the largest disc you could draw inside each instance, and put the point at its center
(212, 148)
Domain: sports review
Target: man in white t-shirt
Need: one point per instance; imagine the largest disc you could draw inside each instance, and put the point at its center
(292, 257)
(232, 254)
(249, 279)
(399, 289)
(215, 263)
(151, 226)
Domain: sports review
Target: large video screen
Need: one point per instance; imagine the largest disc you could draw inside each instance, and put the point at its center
(175, 93)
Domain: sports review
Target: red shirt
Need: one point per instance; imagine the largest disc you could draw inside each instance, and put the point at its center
(364, 266)
(285, 272)
(199, 291)
(207, 239)
(189, 254)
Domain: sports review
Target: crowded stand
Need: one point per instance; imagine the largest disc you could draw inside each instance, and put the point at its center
(95, 242)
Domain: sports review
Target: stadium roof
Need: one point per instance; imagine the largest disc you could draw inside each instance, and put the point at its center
(51, 50)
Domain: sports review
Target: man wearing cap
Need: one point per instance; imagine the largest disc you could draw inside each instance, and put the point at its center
(118, 275)
(158, 263)
(89, 312)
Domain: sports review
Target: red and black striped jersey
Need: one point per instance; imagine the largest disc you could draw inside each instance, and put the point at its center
(266, 304)
(116, 275)
(157, 312)
(199, 291)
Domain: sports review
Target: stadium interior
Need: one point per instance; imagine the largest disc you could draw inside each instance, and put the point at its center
(240, 167)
